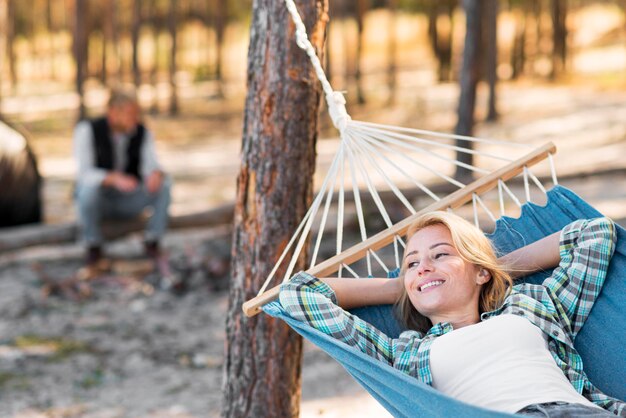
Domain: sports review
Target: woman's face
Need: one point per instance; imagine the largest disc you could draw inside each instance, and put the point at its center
(440, 284)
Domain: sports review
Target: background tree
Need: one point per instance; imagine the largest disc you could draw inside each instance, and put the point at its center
(135, 31)
(490, 37)
(172, 22)
(220, 22)
(470, 74)
(391, 49)
(80, 44)
(274, 189)
(558, 12)
(359, 17)
(10, 43)
(4, 14)
(440, 39)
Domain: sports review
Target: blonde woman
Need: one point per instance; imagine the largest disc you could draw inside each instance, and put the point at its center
(472, 334)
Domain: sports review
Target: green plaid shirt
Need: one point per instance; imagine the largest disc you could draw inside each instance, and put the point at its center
(559, 307)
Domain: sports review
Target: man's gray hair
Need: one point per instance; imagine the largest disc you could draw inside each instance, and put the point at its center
(120, 96)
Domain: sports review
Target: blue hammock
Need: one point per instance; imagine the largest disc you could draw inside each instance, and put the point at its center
(601, 342)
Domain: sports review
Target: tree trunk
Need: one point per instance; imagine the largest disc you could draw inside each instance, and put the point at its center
(558, 12)
(441, 41)
(80, 51)
(4, 14)
(391, 50)
(221, 21)
(171, 23)
(20, 182)
(361, 8)
(491, 54)
(262, 365)
(10, 44)
(135, 32)
(518, 50)
(470, 74)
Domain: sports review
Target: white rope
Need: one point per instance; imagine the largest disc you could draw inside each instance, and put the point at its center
(445, 135)
(485, 208)
(334, 99)
(552, 170)
(511, 195)
(362, 143)
(329, 198)
(526, 185)
(352, 272)
(449, 179)
(475, 210)
(375, 196)
(537, 183)
(501, 197)
(396, 253)
(357, 199)
(365, 127)
(381, 262)
(309, 215)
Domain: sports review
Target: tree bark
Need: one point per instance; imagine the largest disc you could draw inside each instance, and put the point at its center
(262, 365)
(221, 21)
(470, 74)
(80, 52)
(441, 43)
(391, 50)
(10, 44)
(361, 9)
(558, 12)
(4, 17)
(171, 23)
(491, 54)
(135, 32)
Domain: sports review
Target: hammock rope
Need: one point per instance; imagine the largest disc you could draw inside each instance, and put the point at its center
(371, 156)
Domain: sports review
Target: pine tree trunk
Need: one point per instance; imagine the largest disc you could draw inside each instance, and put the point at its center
(361, 9)
(274, 189)
(171, 24)
(470, 74)
(135, 29)
(80, 52)
(4, 15)
(221, 20)
(391, 50)
(10, 44)
(491, 54)
(558, 11)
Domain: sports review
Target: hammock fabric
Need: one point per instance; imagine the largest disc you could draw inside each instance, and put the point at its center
(601, 342)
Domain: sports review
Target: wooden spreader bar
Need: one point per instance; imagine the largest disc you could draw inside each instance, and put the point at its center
(383, 238)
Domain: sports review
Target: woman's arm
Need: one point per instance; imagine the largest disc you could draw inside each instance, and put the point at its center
(540, 255)
(355, 293)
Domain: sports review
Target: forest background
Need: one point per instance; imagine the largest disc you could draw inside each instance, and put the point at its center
(137, 350)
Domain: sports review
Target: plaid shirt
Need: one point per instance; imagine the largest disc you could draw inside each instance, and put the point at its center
(559, 307)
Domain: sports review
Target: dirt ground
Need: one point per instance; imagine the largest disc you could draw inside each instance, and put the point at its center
(139, 348)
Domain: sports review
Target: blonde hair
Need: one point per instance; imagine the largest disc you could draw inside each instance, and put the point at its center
(473, 247)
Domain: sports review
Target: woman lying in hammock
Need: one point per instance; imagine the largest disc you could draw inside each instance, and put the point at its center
(472, 334)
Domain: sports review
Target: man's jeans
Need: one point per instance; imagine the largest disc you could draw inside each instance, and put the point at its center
(96, 203)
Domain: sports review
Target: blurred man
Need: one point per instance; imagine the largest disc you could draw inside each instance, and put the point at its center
(119, 174)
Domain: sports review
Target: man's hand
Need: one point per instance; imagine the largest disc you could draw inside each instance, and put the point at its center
(120, 181)
(154, 181)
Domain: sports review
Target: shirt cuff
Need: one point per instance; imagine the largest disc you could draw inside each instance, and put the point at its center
(314, 284)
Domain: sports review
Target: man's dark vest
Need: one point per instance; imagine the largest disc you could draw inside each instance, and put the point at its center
(103, 146)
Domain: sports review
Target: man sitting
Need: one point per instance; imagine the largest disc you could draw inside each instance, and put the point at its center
(119, 174)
